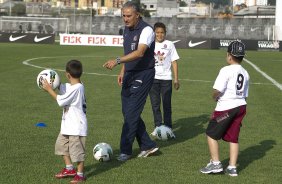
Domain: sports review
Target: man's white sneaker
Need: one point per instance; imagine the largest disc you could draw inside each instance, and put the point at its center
(148, 152)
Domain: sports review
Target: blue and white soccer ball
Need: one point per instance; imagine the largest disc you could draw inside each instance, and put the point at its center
(51, 76)
(164, 133)
(102, 152)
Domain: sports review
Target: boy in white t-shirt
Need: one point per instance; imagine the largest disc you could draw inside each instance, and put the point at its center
(71, 140)
(166, 59)
(230, 92)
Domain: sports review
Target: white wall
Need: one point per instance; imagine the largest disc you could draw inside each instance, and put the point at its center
(278, 20)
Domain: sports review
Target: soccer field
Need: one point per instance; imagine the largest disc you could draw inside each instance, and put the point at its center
(27, 151)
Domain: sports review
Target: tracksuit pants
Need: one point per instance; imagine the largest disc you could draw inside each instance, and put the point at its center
(135, 89)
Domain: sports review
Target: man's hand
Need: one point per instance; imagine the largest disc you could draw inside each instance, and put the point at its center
(176, 85)
(110, 64)
(120, 78)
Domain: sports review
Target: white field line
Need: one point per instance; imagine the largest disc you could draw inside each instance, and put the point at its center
(278, 85)
(27, 62)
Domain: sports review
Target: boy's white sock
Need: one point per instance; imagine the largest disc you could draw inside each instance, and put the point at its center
(231, 167)
(216, 162)
(80, 174)
(69, 167)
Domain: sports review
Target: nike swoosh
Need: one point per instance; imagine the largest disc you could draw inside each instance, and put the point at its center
(254, 29)
(44, 74)
(179, 28)
(215, 28)
(12, 39)
(195, 44)
(176, 41)
(40, 39)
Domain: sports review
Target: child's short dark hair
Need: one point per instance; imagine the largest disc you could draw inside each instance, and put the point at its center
(74, 68)
(159, 25)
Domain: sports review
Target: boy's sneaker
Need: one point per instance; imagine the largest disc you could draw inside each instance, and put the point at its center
(123, 157)
(212, 168)
(148, 152)
(154, 133)
(65, 173)
(231, 172)
(78, 179)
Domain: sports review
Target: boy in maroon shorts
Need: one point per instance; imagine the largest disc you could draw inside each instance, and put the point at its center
(230, 92)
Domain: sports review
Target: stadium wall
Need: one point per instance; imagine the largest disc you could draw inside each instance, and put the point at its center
(212, 28)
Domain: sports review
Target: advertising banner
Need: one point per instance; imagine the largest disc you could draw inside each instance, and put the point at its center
(91, 40)
(27, 38)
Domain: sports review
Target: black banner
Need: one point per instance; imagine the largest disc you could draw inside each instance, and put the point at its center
(198, 43)
(27, 38)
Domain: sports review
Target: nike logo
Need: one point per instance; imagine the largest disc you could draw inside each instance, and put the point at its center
(179, 28)
(195, 44)
(44, 74)
(40, 39)
(12, 39)
(215, 28)
(254, 29)
(176, 41)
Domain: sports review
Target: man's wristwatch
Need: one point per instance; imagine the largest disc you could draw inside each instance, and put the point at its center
(118, 60)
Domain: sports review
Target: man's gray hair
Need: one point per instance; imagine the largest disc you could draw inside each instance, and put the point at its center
(130, 4)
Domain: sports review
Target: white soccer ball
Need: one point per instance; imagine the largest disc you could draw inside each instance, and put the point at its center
(164, 133)
(52, 77)
(102, 152)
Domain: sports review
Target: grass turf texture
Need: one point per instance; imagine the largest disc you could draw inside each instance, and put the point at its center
(27, 151)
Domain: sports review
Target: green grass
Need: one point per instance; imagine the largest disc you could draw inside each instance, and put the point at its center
(27, 152)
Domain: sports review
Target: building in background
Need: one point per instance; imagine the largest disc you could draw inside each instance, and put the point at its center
(161, 8)
(251, 2)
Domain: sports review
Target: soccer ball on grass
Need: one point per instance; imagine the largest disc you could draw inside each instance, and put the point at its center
(102, 152)
(164, 133)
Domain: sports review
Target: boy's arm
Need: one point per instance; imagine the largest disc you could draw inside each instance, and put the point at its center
(175, 72)
(216, 94)
(47, 87)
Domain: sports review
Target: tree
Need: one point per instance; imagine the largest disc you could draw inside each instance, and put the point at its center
(19, 9)
(182, 4)
(216, 3)
(272, 2)
(144, 12)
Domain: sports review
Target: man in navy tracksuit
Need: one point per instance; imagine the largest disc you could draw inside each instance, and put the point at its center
(136, 77)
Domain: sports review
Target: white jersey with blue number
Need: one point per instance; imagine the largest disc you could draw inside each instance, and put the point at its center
(233, 83)
(72, 99)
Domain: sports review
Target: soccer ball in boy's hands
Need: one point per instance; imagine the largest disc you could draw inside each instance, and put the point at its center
(102, 152)
(51, 76)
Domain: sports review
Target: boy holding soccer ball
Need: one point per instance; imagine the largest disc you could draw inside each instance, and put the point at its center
(230, 92)
(71, 140)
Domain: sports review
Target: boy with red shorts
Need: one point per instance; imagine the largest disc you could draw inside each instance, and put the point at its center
(230, 92)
